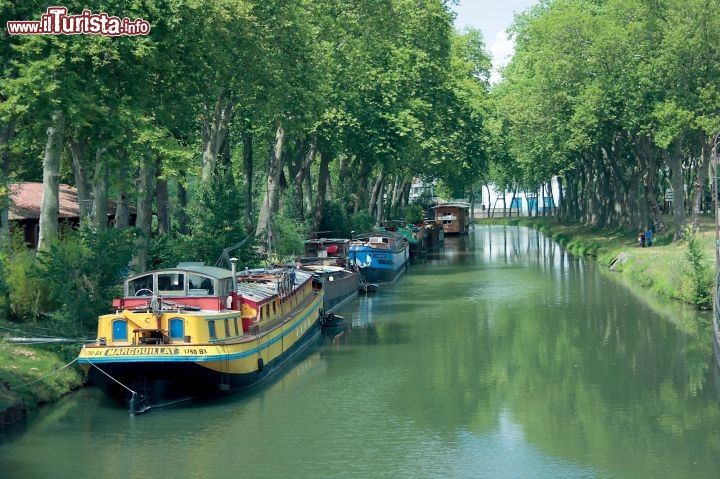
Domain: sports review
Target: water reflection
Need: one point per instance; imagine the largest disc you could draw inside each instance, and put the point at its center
(499, 356)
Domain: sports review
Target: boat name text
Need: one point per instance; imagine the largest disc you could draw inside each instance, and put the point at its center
(143, 351)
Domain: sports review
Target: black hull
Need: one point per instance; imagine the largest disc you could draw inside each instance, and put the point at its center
(340, 291)
(145, 385)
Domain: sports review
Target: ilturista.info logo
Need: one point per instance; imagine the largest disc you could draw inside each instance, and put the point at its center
(56, 21)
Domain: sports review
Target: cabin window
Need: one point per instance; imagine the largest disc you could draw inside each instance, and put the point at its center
(211, 329)
(177, 328)
(228, 284)
(274, 310)
(227, 328)
(200, 285)
(142, 286)
(171, 283)
(119, 330)
(207, 285)
(267, 311)
(237, 330)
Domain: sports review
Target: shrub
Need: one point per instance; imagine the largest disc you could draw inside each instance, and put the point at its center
(27, 292)
(697, 272)
(334, 221)
(289, 238)
(362, 221)
(83, 272)
(413, 213)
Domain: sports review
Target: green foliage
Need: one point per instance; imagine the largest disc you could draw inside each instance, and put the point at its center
(68, 286)
(697, 271)
(217, 224)
(288, 239)
(334, 222)
(4, 289)
(83, 273)
(362, 222)
(413, 213)
(27, 293)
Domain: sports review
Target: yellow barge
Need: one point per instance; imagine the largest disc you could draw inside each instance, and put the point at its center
(198, 330)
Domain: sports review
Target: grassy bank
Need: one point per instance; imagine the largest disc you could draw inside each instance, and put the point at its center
(667, 269)
(34, 375)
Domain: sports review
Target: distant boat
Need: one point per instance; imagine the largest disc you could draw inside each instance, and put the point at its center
(198, 330)
(380, 256)
(415, 235)
(327, 260)
(434, 234)
(454, 217)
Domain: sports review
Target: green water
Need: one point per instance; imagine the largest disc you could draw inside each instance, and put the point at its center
(499, 357)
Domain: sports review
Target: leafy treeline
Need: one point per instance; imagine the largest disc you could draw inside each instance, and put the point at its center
(231, 118)
(282, 106)
(621, 100)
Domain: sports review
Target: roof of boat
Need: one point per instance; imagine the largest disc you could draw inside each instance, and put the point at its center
(200, 268)
(327, 240)
(260, 290)
(455, 204)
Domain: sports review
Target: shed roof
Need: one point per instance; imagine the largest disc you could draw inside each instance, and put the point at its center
(26, 199)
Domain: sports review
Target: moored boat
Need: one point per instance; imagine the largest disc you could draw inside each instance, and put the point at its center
(198, 330)
(416, 236)
(327, 260)
(380, 256)
(435, 234)
(454, 217)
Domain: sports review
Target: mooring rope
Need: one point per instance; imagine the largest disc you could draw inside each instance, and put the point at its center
(106, 374)
(43, 377)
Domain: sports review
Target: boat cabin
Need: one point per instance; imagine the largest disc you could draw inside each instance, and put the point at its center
(327, 247)
(454, 217)
(201, 286)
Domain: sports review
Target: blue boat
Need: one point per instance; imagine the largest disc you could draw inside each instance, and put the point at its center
(380, 257)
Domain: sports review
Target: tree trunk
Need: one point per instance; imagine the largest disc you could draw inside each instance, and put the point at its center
(78, 150)
(323, 175)
(701, 177)
(373, 207)
(248, 180)
(144, 212)
(396, 198)
(308, 195)
(100, 191)
(214, 132)
(162, 204)
(645, 152)
(561, 198)
(270, 200)
(7, 132)
(304, 181)
(361, 189)
(50, 206)
(181, 209)
(122, 207)
(674, 162)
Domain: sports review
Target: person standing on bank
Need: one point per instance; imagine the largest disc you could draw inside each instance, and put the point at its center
(641, 238)
(649, 237)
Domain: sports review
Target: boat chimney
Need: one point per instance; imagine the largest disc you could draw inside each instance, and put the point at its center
(234, 272)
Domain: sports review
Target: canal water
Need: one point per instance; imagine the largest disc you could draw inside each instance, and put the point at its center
(501, 356)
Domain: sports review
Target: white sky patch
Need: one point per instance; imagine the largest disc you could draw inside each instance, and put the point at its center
(501, 49)
(492, 18)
